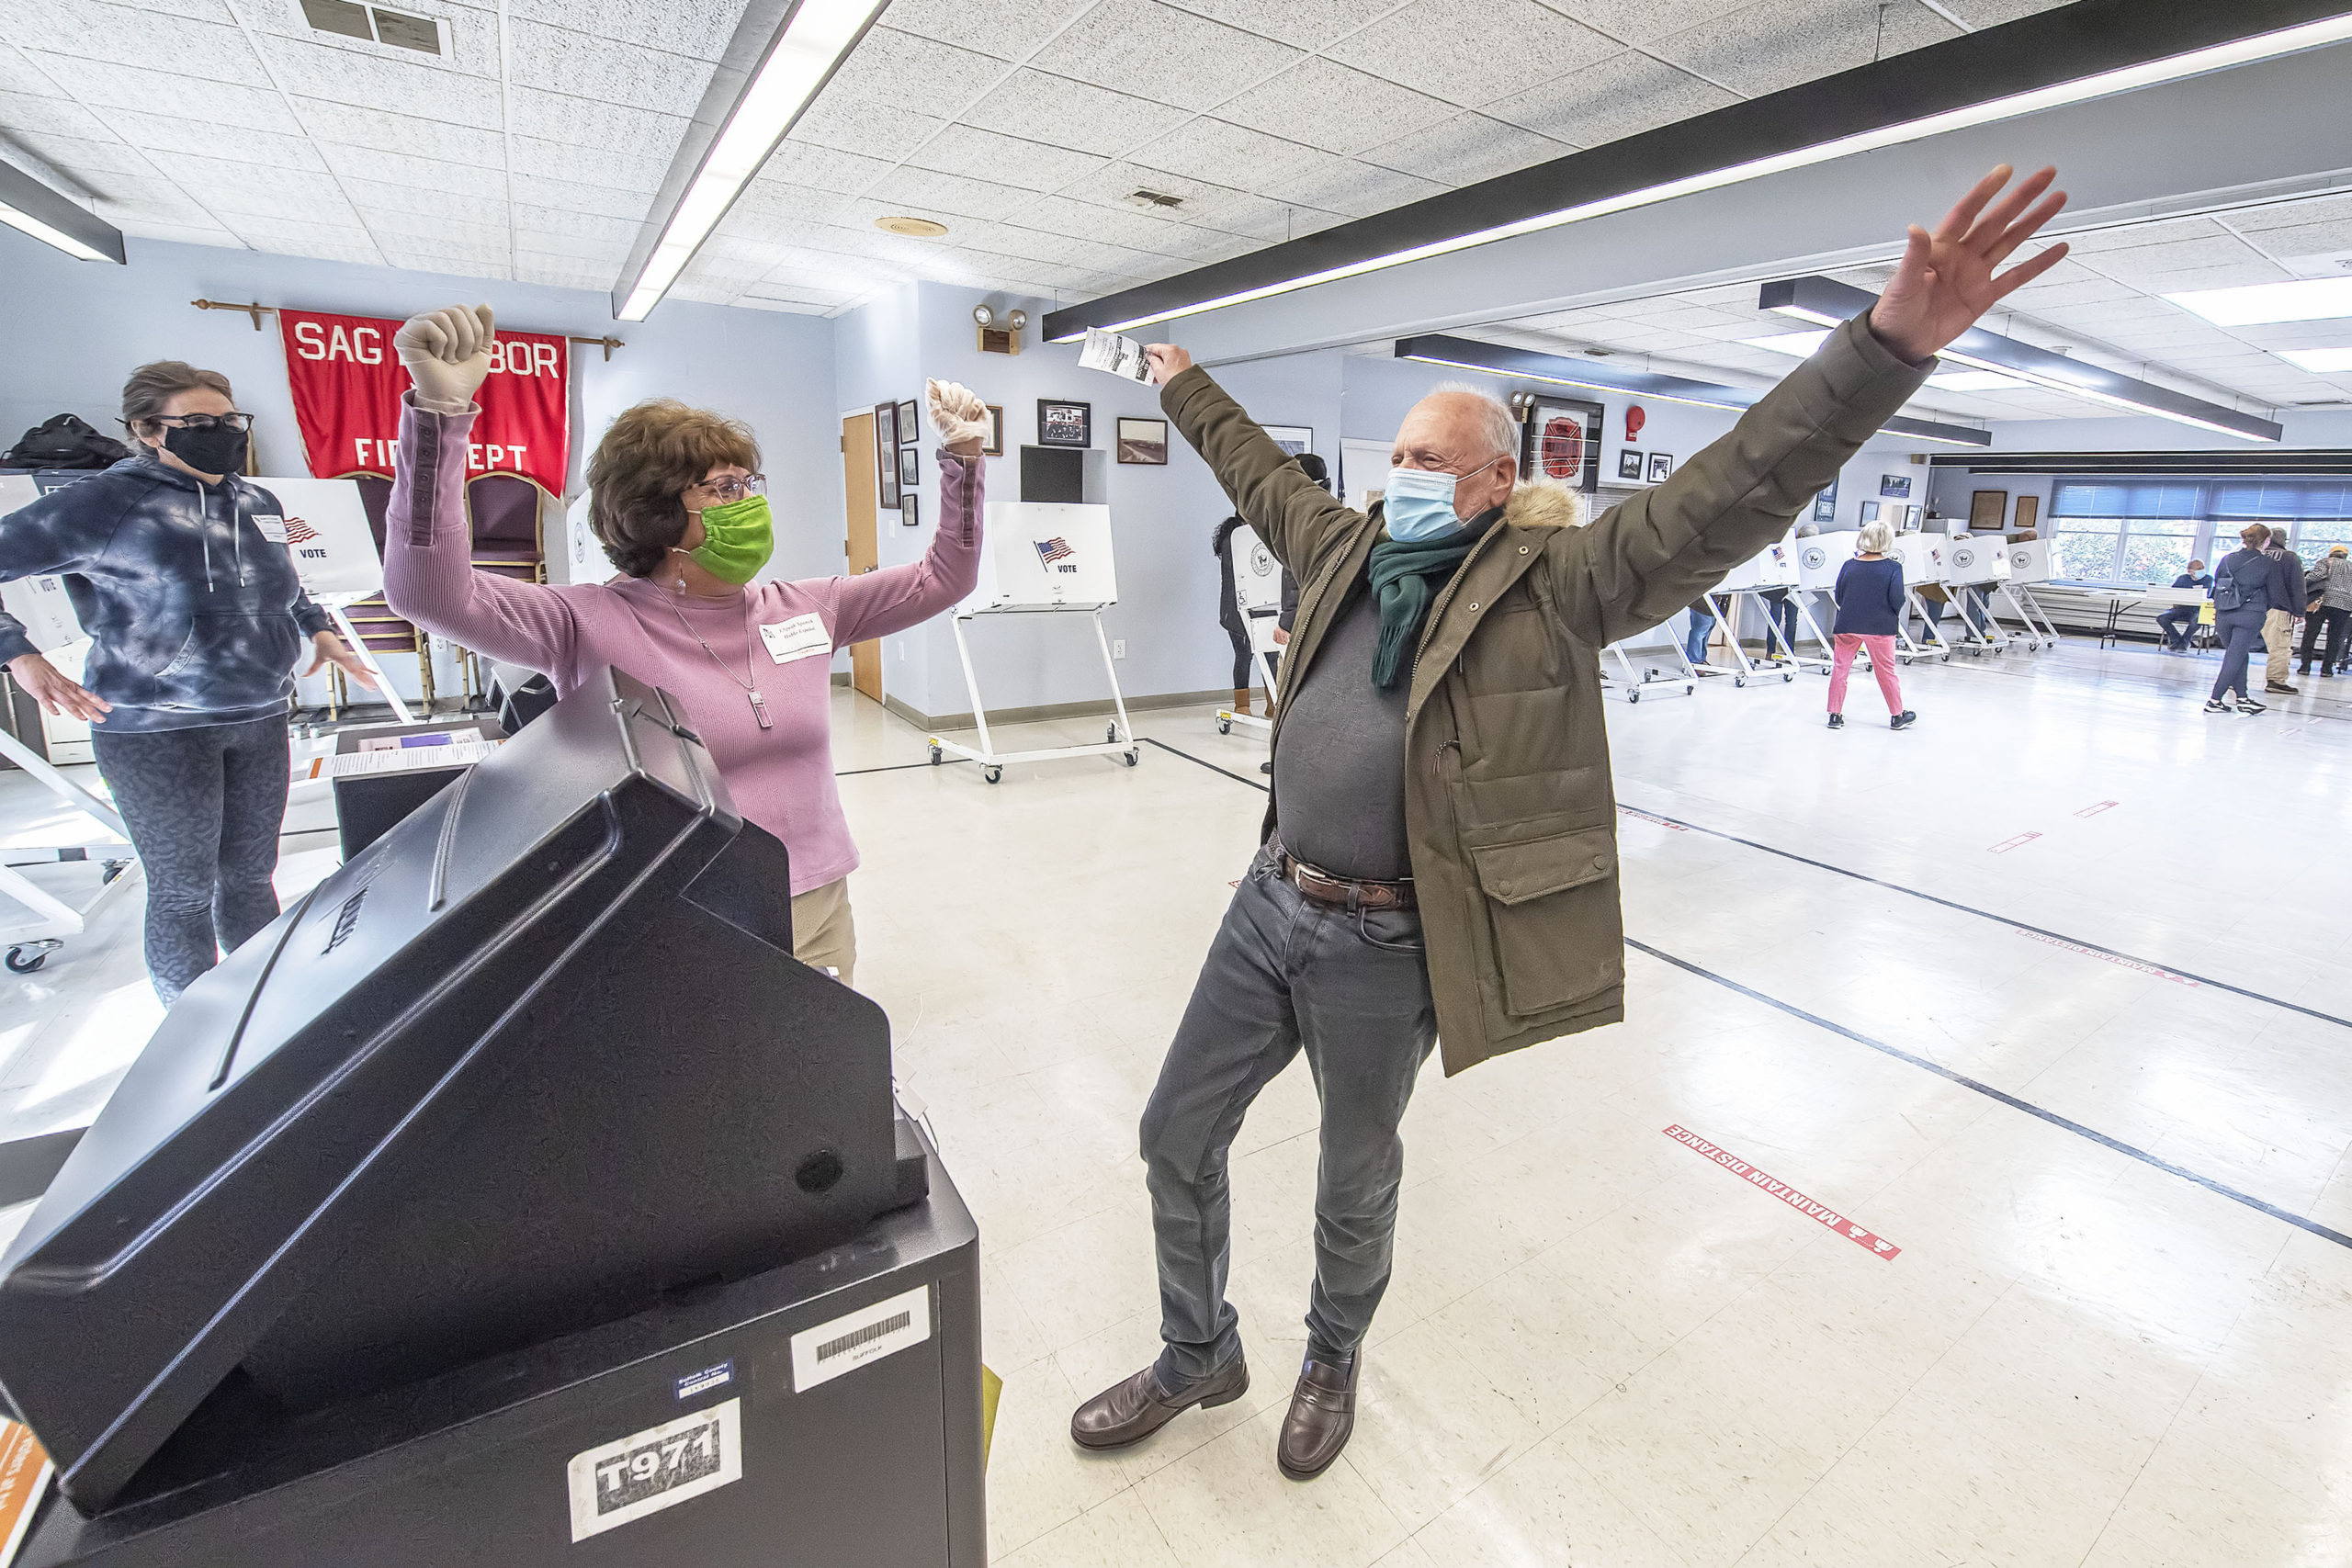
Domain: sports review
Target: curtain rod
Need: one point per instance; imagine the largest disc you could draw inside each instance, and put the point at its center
(257, 312)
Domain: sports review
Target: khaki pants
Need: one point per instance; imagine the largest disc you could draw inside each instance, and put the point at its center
(2278, 632)
(823, 934)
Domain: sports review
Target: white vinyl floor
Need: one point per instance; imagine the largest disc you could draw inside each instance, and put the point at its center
(2049, 994)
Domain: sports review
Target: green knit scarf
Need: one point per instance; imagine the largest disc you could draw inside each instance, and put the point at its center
(1407, 577)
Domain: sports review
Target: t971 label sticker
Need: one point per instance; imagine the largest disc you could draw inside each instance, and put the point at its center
(656, 1469)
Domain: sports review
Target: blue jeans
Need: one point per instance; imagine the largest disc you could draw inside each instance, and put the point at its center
(1286, 974)
(2178, 625)
(1694, 641)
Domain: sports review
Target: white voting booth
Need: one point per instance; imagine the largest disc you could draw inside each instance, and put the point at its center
(1258, 594)
(334, 554)
(2032, 561)
(1042, 558)
(1922, 556)
(1979, 562)
(1772, 567)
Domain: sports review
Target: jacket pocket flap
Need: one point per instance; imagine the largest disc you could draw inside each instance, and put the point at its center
(1535, 868)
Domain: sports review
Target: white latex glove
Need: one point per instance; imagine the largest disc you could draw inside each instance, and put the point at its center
(447, 355)
(958, 414)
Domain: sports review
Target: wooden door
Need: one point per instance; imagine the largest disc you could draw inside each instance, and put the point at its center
(1986, 510)
(858, 480)
(2029, 513)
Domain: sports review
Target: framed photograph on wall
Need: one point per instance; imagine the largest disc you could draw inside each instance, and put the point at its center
(909, 422)
(994, 445)
(1911, 517)
(1870, 512)
(889, 486)
(1561, 442)
(885, 426)
(1824, 505)
(1894, 487)
(910, 466)
(1661, 466)
(1629, 463)
(1292, 438)
(1143, 441)
(1064, 424)
(910, 509)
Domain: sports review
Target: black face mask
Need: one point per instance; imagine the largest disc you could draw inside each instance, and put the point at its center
(218, 450)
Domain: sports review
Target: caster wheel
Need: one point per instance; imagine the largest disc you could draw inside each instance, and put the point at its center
(1740, 679)
(1133, 758)
(113, 868)
(1633, 696)
(992, 774)
(1225, 726)
(19, 964)
(935, 755)
(1945, 660)
(1786, 677)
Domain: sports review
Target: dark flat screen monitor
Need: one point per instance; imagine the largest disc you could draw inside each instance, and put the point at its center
(532, 1060)
(1053, 473)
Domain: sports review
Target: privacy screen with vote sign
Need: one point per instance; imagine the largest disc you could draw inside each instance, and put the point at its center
(347, 382)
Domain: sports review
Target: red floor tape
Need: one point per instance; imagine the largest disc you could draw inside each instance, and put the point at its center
(1818, 1212)
(2006, 845)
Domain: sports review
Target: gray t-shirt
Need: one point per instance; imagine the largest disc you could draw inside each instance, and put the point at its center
(1339, 772)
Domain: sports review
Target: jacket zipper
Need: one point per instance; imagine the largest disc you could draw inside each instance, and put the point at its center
(1429, 626)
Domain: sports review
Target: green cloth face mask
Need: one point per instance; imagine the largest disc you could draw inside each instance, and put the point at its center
(737, 539)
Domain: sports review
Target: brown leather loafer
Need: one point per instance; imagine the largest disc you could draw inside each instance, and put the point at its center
(1322, 1415)
(1131, 1411)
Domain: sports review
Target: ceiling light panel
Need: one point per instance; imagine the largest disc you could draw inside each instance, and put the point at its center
(2260, 304)
(2319, 361)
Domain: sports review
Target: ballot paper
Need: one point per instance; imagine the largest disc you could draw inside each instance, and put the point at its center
(456, 754)
(1111, 352)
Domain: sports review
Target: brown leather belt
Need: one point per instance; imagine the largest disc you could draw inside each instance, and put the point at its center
(1314, 883)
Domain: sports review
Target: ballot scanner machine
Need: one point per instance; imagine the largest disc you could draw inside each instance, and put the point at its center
(515, 1198)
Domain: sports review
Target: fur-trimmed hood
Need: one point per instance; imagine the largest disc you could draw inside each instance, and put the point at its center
(1545, 504)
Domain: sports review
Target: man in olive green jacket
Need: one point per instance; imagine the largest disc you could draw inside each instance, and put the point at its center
(1441, 852)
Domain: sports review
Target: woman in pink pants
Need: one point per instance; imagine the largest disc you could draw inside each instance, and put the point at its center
(1870, 606)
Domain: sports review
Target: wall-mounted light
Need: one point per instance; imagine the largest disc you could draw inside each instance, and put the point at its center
(783, 53)
(1830, 302)
(996, 339)
(28, 205)
(1527, 364)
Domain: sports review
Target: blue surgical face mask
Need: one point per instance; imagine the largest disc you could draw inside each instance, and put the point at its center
(1418, 502)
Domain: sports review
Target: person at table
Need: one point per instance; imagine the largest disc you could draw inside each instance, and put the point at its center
(1439, 856)
(681, 509)
(177, 568)
(2242, 588)
(2179, 623)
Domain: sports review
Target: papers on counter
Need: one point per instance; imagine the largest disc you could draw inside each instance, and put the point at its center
(401, 760)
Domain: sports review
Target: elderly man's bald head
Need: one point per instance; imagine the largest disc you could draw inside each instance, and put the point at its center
(1464, 431)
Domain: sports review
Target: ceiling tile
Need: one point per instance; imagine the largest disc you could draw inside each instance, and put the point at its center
(1006, 28)
(576, 196)
(467, 262)
(468, 37)
(767, 206)
(1056, 109)
(352, 135)
(487, 205)
(1008, 159)
(1357, 191)
(892, 68)
(1333, 107)
(168, 133)
(696, 27)
(1993, 13)
(562, 272)
(562, 60)
(621, 232)
(150, 197)
(580, 247)
(1644, 22)
(72, 154)
(122, 35)
(104, 87)
(1471, 54)
(1214, 151)
(790, 307)
(1183, 59)
(2290, 214)
(434, 231)
(2036, 296)
(2230, 275)
(54, 117)
(344, 76)
(1622, 95)
(1465, 150)
(2303, 239)
(924, 192)
(1309, 24)
(1210, 205)
(228, 186)
(592, 127)
(875, 131)
(618, 167)
(175, 233)
(824, 168)
(2131, 236)
(1091, 220)
(1778, 43)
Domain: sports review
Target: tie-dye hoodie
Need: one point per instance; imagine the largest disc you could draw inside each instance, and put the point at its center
(195, 614)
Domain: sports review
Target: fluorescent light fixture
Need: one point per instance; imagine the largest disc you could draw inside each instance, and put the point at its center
(2319, 361)
(2311, 299)
(1973, 381)
(1798, 346)
(2104, 83)
(1803, 345)
(1527, 364)
(816, 35)
(31, 208)
(1826, 301)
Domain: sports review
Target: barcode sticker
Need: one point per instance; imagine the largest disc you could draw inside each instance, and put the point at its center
(848, 1342)
(656, 1469)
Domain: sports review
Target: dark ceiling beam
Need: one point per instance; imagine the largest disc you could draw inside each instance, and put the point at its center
(2045, 51)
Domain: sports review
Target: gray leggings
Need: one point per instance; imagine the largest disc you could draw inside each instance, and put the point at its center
(204, 808)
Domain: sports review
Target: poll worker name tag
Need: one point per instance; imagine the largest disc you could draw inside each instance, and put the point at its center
(272, 526)
(803, 636)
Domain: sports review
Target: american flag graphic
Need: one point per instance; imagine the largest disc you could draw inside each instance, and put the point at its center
(298, 531)
(1051, 550)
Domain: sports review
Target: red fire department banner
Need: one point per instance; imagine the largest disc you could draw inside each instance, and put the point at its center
(347, 384)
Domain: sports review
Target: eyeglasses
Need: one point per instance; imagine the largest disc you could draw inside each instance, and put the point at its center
(734, 490)
(237, 422)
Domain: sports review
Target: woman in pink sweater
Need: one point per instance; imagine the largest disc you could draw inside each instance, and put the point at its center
(680, 511)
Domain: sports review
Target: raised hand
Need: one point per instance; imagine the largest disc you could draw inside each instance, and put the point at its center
(1945, 280)
(959, 416)
(448, 353)
(56, 691)
(1168, 362)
